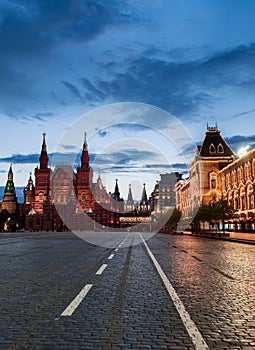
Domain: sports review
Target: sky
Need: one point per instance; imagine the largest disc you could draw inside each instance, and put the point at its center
(127, 72)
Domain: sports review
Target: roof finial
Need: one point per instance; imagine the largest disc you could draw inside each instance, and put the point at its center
(85, 145)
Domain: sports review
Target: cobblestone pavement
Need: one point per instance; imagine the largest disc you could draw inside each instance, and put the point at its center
(127, 306)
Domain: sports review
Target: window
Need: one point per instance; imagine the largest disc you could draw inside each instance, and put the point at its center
(40, 197)
(61, 198)
(83, 197)
(220, 148)
(213, 183)
(212, 149)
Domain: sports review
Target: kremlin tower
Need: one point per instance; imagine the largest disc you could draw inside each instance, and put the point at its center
(9, 201)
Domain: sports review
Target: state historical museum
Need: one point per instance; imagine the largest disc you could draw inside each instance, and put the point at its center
(62, 199)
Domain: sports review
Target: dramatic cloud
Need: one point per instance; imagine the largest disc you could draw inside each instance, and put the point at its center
(35, 27)
(180, 87)
(61, 59)
(238, 141)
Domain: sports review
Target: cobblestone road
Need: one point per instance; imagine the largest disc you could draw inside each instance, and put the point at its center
(128, 305)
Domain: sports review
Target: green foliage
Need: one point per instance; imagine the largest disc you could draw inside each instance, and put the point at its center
(170, 218)
(221, 210)
(215, 210)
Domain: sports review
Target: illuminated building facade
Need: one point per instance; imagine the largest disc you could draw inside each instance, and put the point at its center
(217, 172)
(237, 184)
(163, 196)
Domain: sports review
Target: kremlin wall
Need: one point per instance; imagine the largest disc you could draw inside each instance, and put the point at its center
(64, 199)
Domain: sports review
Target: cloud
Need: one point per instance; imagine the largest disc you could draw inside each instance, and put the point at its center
(30, 28)
(238, 141)
(243, 113)
(21, 159)
(68, 147)
(181, 87)
(74, 91)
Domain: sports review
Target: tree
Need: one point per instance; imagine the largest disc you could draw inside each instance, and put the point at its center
(203, 214)
(170, 218)
(221, 210)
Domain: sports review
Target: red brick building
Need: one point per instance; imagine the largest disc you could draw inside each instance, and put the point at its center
(64, 199)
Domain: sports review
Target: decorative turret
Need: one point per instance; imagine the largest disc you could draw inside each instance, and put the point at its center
(30, 186)
(29, 191)
(144, 199)
(44, 159)
(130, 202)
(116, 194)
(99, 182)
(85, 154)
(144, 203)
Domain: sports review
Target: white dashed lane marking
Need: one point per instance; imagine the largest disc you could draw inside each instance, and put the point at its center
(77, 300)
(101, 269)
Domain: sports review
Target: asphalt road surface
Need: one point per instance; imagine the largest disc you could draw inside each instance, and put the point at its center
(58, 291)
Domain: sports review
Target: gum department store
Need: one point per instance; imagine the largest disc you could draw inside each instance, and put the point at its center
(59, 199)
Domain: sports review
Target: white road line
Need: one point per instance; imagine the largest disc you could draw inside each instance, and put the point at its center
(195, 335)
(110, 257)
(116, 249)
(77, 300)
(101, 269)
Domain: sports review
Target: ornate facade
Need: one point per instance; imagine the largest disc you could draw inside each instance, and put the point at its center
(59, 199)
(237, 184)
(217, 172)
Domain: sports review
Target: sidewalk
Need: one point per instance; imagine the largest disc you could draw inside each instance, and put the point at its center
(241, 237)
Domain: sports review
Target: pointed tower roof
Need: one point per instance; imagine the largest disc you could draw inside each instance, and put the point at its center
(99, 182)
(85, 154)
(30, 185)
(9, 188)
(130, 196)
(214, 145)
(144, 199)
(44, 159)
(116, 194)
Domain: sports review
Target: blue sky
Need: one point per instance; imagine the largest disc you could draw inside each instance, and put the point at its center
(62, 59)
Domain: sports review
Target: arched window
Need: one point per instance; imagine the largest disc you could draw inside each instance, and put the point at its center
(40, 197)
(61, 197)
(212, 149)
(220, 148)
(83, 197)
(213, 181)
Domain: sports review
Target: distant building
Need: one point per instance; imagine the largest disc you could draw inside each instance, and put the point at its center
(137, 216)
(163, 195)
